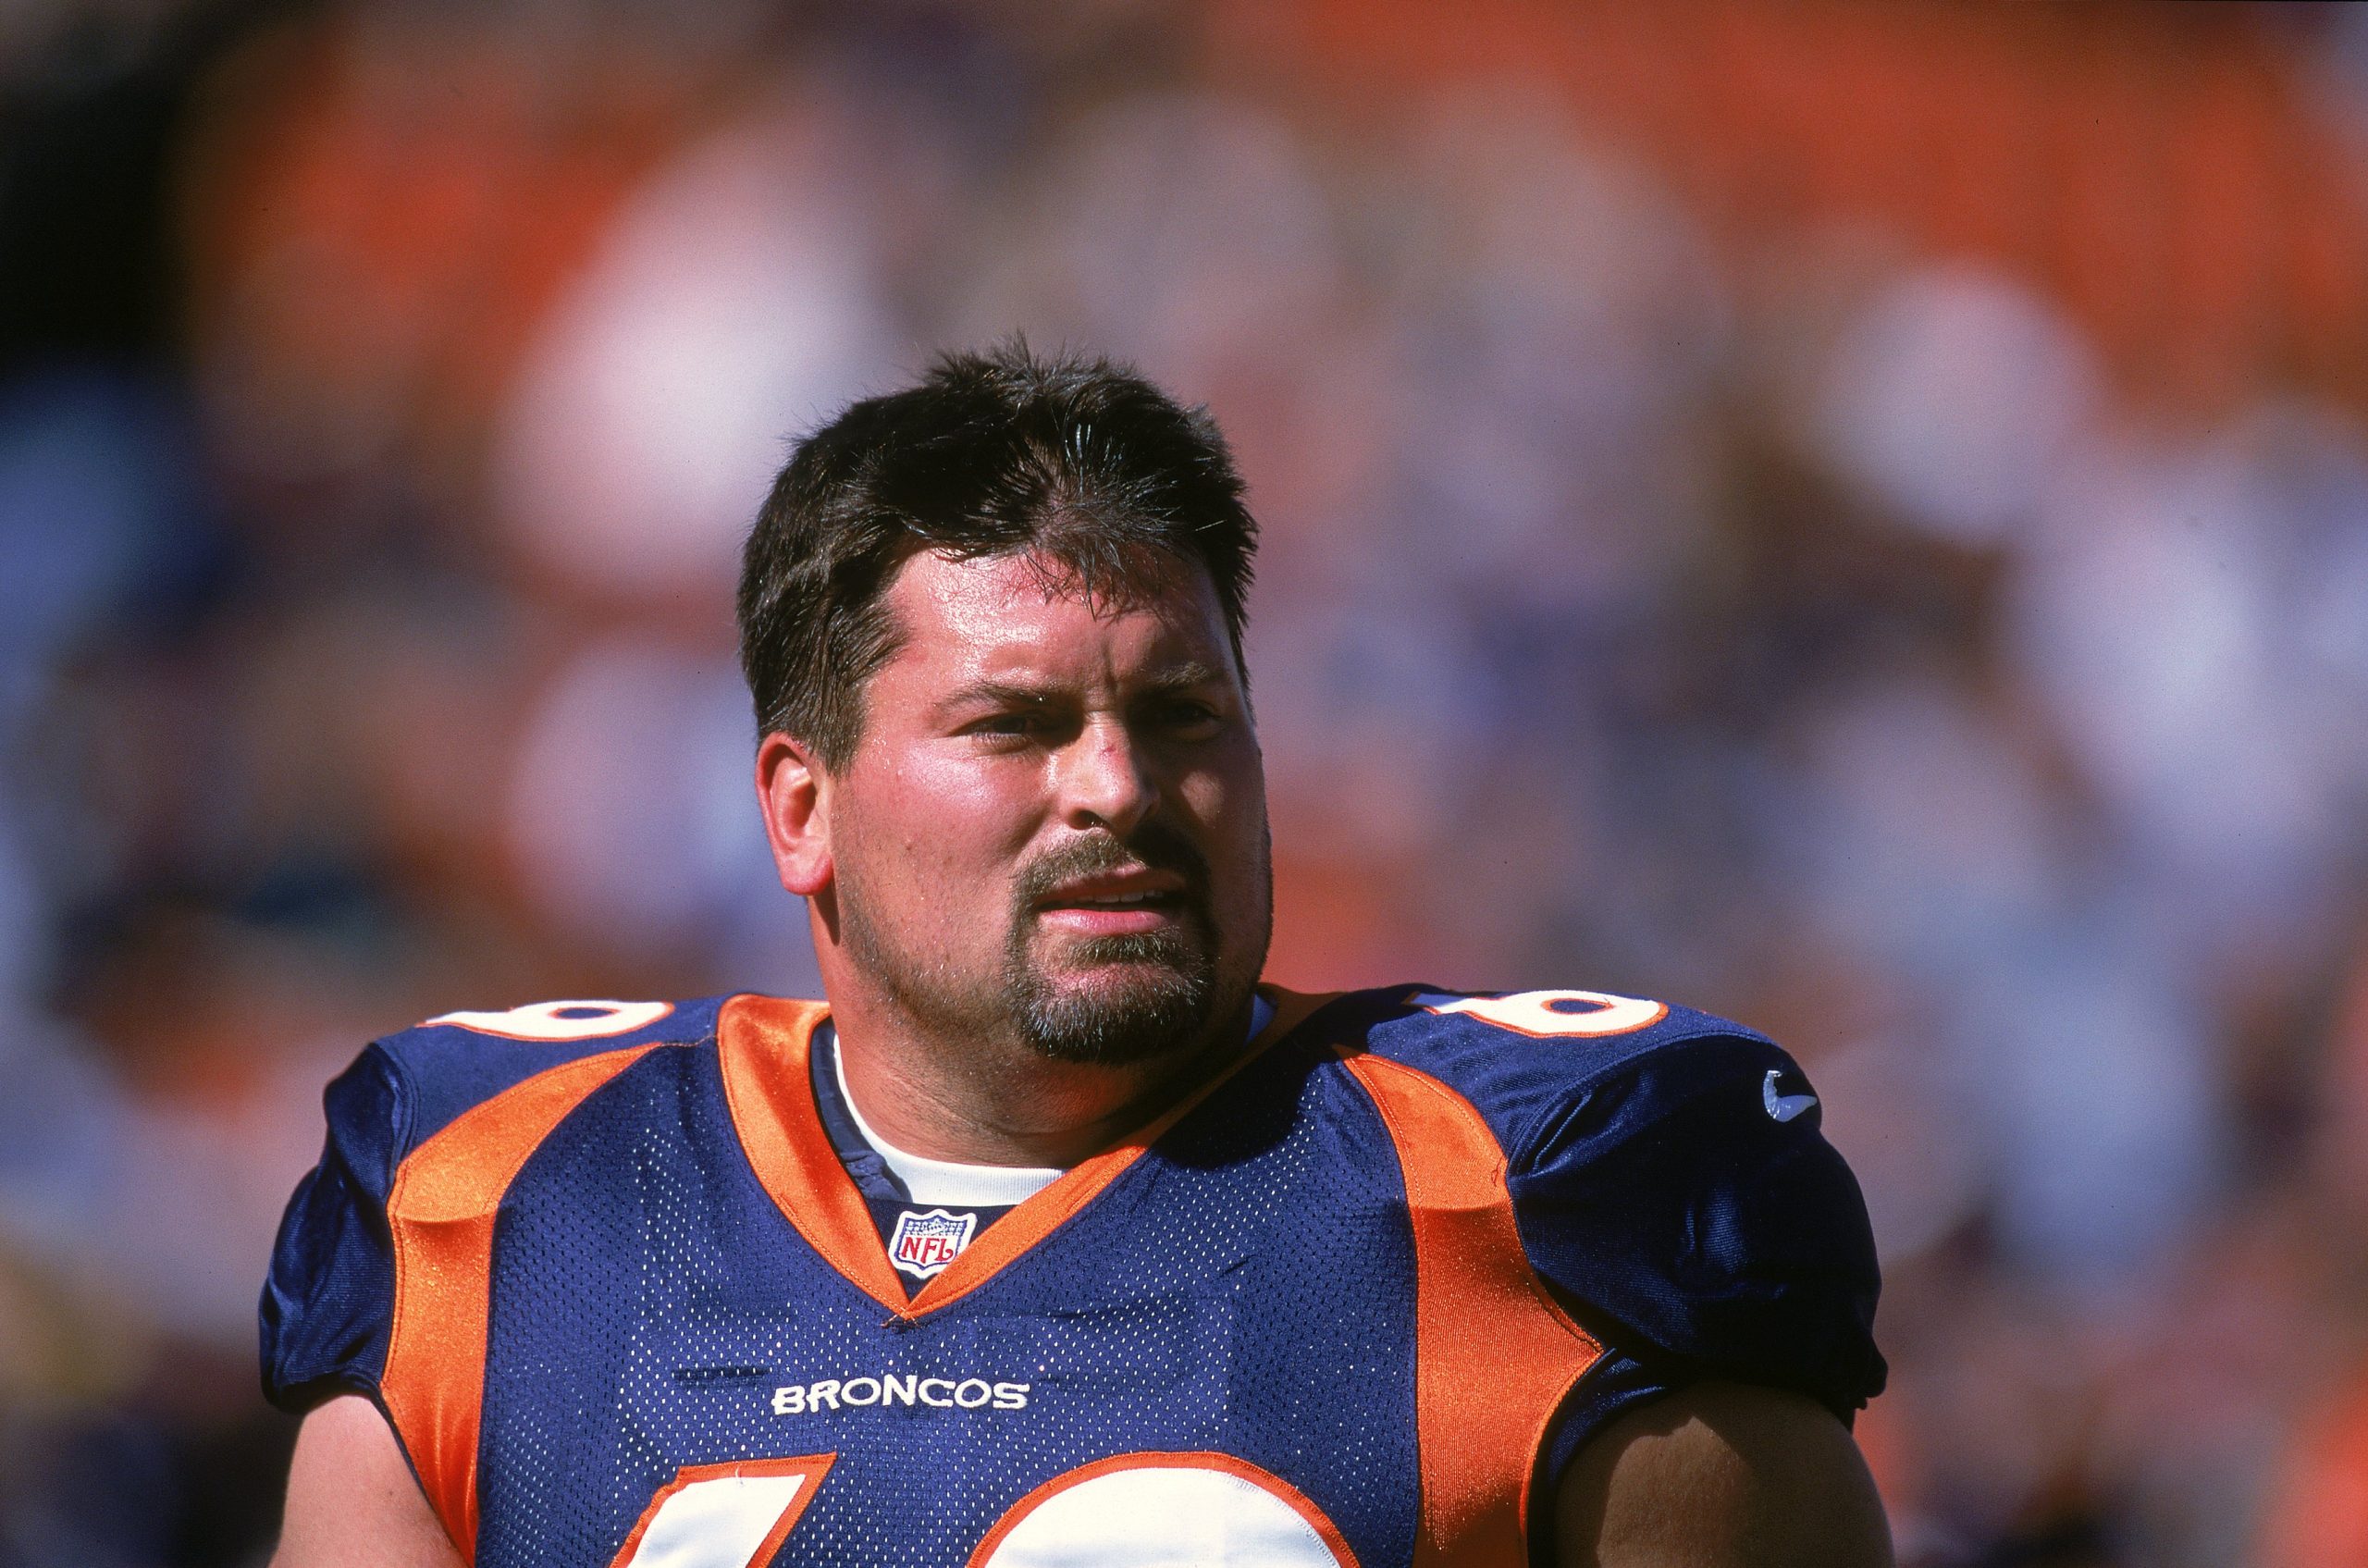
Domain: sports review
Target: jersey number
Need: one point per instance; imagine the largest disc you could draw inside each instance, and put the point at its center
(553, 1022)
(1550, 1015)
(1133, 1511)
(723, 1515)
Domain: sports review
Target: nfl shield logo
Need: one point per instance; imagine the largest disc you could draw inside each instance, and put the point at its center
(926, 1240)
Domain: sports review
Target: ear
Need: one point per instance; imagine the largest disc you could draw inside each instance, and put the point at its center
(795, 798)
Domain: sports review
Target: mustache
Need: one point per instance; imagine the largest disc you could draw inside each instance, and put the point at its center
(1155, 846)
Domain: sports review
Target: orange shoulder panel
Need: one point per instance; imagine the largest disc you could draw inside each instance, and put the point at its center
(441, 1213)
(1493, 1355)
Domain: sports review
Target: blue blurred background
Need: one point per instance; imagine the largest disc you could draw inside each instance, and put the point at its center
(1853, 516)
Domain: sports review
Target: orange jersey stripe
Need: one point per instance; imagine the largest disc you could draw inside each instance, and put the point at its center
(1493, 1355)
(440, 1212)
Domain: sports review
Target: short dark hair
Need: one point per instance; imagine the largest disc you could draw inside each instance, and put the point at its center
(1003, 451)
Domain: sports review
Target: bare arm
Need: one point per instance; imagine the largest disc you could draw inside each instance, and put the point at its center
(351, 1501)
(1721, 1476)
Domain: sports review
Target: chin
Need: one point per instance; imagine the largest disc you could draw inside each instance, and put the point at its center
(1118, 1013)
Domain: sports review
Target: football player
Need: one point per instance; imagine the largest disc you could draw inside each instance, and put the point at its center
(1050, 1236)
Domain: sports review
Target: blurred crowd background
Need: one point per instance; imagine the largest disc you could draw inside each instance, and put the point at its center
(1852, 516)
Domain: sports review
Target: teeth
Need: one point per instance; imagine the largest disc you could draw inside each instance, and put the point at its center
(1116, 899)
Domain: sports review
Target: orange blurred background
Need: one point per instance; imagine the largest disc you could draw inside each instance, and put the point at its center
(1852, 516)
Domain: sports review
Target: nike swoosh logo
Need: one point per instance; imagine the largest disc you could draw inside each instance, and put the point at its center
(1783, 1107)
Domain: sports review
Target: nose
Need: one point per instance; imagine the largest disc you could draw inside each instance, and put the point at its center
(1104, 780)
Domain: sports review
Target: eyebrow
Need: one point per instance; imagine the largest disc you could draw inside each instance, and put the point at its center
(1184, 676)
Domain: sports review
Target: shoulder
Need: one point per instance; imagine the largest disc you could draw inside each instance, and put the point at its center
(1666, 1170)
(425, 1077)
(328, 1303)
(1528, 1061)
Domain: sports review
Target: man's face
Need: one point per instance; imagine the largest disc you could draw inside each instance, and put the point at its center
(1053, 827)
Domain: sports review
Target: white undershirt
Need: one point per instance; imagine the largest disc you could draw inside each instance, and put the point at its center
(969, 1186)
(945, 1181)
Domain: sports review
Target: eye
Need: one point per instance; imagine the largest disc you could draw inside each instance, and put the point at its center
(1189, 717)
(1013, 724)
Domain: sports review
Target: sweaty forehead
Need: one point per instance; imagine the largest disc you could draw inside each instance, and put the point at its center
(987, 614)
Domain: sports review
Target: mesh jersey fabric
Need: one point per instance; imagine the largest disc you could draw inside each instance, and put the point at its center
(1249, 1287)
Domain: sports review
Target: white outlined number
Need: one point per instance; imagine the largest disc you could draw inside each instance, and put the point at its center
(1165, 1511)
(732, 1515)
(1129, 1511)
(553, 1022)
(1553, 1015)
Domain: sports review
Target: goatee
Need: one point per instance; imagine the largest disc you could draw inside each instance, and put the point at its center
(1142, 995)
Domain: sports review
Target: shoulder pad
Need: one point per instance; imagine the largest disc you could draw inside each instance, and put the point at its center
(1667, 1173)
(326, 1317)
(458, 1060)
(1523, 1059)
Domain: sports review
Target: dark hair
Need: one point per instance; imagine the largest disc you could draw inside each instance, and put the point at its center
(1076, 458)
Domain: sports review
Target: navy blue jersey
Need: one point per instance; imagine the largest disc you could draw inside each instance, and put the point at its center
(602, 1267)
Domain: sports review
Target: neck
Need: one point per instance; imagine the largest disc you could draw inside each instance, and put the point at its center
(983, 1102)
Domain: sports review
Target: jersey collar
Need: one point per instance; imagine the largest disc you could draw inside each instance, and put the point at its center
(766, 1045)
